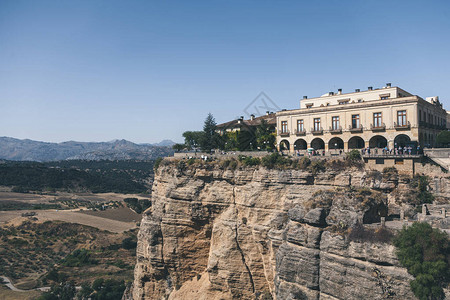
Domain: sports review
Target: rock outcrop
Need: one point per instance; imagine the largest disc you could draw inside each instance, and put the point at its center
(255, 233)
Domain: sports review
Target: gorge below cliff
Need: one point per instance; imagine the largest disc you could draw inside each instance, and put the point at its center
(249, 232)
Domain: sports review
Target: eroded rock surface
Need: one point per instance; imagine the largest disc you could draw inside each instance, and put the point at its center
(254, 233)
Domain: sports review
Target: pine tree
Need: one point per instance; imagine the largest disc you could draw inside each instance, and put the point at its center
(210, 138)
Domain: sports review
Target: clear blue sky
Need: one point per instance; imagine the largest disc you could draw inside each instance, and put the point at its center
(150, 70)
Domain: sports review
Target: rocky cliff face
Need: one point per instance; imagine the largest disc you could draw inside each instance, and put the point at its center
(254, 233)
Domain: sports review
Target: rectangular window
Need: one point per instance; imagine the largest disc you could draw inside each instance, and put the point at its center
(335, 123)
(284, 128)
(355, 121)
(420, 116)
(401, 118)
(316, 124)
(384, 98)
(377, 122)
(300, 126)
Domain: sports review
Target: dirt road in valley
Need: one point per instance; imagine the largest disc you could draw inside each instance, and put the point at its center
(71, 217)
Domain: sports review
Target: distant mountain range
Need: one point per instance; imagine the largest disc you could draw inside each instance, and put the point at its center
(15, 149)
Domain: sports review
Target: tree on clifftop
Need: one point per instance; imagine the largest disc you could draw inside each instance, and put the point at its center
(210, 139)
(443, 138)
(192, 139)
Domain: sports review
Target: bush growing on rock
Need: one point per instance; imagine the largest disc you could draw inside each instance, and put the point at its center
(425, 252)
(250, 161)
(359, 233)
(420, 184)
(275, 160)
(157, 163)
(390, 173)
(354, 155)
(302, 163)
(317, 166)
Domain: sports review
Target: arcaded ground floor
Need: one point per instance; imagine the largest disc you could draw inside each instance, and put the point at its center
(348, 140)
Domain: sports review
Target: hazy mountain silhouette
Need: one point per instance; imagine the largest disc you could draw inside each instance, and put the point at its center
(15, 149)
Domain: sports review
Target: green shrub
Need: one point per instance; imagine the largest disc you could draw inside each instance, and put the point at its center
(359, 233)
(275, 160)
(303, 163)
(317, 166)
(354, 155)
(425, 252)
(129, 243)
(250, 161)
(157, 163)
(390, 172)
(420, 194)
(108, 289)
(79, 257)
(62, 291)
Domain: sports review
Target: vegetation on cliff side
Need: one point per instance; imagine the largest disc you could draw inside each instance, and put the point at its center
(272, 161)
(425, 252)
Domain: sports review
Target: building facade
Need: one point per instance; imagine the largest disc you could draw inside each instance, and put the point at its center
(375, 118)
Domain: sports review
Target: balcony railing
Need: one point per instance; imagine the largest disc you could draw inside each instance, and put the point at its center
(378, 127)
(402, 126)
(300, 132)
(359, 128)
(284, 133)
(336, 129)
(317, 130)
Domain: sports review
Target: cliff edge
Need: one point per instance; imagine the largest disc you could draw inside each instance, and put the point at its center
(218, 232)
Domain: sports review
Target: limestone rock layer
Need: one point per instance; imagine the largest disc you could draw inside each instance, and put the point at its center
(255, 233)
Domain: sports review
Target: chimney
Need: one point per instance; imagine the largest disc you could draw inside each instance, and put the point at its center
(357, 90)
(305, 97)
(267, 113)
(241, 118)
(388, 84)
(252, 117)
(339, 91)
(370, 88)
(330, 93)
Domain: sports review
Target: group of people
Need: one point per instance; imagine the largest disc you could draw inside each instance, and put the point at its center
(406, 150)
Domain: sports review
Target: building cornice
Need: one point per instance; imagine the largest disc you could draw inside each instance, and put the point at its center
(304, 111)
